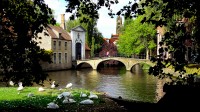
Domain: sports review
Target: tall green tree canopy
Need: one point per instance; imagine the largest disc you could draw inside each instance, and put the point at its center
(20, 21)
(137, 37)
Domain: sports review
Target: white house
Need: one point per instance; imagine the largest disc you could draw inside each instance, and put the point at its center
(66, 47)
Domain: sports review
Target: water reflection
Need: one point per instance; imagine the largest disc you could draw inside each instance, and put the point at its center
(115, 81)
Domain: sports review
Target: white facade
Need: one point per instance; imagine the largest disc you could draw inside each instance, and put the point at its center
(59, 42)
(78, 36)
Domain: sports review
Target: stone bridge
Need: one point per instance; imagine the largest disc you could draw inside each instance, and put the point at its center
(128, 62)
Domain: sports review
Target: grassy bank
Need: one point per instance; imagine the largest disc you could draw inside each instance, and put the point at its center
(13, 100)
(145, 66)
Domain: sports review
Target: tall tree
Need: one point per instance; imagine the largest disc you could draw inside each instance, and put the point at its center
(20, 21)
(137, 37)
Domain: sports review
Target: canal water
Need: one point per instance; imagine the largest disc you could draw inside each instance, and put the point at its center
(136, 84)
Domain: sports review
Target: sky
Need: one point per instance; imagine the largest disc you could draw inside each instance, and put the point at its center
(105, 24)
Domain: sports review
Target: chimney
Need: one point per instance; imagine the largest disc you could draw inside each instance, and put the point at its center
(63, 21)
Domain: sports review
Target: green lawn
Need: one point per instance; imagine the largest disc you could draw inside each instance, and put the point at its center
(11, 99)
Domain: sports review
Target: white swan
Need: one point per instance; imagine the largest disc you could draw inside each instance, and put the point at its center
(87, 101)
(69, 100)
(68, 85)
(52, 105)
(53, 85)
(11, 83)
(20, 86)
(41, 89)
(64, 94)
(93, 96)
(83, 95)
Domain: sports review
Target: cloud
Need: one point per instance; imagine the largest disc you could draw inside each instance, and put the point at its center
(59, 7)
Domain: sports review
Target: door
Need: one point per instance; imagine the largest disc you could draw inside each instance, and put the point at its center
(78, 51)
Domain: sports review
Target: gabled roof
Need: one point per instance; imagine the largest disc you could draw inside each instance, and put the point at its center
(78, 28)
(64, 33)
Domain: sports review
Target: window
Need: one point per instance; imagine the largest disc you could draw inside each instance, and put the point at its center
(65, 57)
(59, 45)
(54, 45)
(59, 56)
(54, 57)
(65, 45)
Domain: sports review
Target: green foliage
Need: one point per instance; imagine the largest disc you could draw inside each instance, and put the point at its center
(20, 22)
(92, 47)
(88, 8)
(145, 66)
(137, 37)
(57, 24)
(73, 23)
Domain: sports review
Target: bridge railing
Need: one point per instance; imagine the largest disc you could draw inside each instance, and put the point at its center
(141, 56)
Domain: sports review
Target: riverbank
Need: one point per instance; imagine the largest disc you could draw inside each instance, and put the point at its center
(135, 106)
(178, 98)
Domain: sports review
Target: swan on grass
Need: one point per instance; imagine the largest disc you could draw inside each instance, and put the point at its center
(11, 83)
(69, 85)
(20, 88)
(87, 101)
(83, 95)
(41, 89)
(93, 96)
(64, 94)
(53, 85)
(69, 100)
(52, 105)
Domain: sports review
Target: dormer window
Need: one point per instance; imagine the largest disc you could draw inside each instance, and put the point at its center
(59, 35)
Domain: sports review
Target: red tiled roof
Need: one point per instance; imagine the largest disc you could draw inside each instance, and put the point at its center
(112, 40)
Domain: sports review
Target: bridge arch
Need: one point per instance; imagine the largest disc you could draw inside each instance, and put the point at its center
(110, 62)
(84, 63)
(128, 62)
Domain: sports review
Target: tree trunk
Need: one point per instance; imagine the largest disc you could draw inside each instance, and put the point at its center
(147, 53)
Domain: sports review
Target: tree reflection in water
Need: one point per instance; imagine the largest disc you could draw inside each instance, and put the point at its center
(115, 81)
